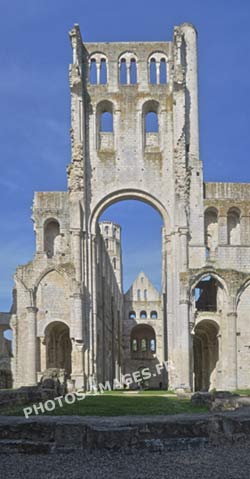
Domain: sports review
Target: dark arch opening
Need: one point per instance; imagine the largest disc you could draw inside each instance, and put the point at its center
(206, 355)
(145, 338)
(51, 232)
(58, 346)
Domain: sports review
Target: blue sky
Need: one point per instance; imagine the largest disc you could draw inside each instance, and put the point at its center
(34, 103)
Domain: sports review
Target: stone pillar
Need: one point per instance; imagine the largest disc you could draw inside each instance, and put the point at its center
(77, 374)
(185, 344)
(158, 72)
(230, 352)
(31, 352)
(94, 306)
(98, 72)
(43, 353)
(76, 330)
(192, 334)
(222, 229)
(169, 326)
(128, 73)
(13, 326)
(183, 232)
(77, 253)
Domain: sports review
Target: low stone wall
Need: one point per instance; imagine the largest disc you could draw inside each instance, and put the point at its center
(24, 395)
(220, 400)
(55, 434)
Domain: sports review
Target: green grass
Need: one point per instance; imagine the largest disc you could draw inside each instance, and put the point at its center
(242, 392)
(120, 405)
(147, 392)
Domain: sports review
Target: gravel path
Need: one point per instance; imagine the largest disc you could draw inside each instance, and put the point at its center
(216, 462)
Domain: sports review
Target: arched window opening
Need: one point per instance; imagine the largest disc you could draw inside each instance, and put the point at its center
(114, 232)
(152, 345)
(123, 72)
(143, 345)
(151, 122)
(145, 294)
(206, 294)
(103, 72)
(93, 72)
(106, 122)
(106, 229)
(134, 345)
(143, 315)
(51, 232)
(138, 295)
(163, 71)
(133, 72)
(98, 69)
(211, 230)
(132, 315)
(153, 315)
(107, 243)
(151, 137)
(104, 125)
(114, 263)
(152, 71)
(157, 65)
(233, 227)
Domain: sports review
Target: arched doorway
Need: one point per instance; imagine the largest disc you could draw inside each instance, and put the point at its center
(129, 232)
(206, 355)
(58, 346)
(139, 231)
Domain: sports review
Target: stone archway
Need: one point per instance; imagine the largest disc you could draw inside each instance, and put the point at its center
(58, 346)
(143, 342)
(206, 355)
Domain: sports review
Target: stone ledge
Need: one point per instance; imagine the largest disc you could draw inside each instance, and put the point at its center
(61, 433)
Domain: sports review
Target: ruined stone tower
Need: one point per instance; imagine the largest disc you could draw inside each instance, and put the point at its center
(135, 135)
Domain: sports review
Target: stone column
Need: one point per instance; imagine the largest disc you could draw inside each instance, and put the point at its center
(13, 326)
(77, 374)
(77, 253)
(183, 232)
(43, 353)
(94, 306)
(230, 352)
(192, 334)
(76, 330)
(98, 72)
(31, 352)
(222, 228)
(128, 72)
(169, 326)
(158, 72)
(185, 344)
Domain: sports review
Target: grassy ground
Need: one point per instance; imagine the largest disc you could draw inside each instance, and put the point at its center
(147, 392)
(243, 392)
(120, 404)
